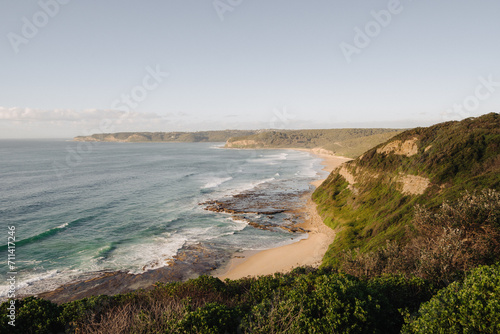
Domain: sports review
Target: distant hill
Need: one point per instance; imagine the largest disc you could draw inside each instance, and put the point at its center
(188, 137)
(371, 199)
(342, 142)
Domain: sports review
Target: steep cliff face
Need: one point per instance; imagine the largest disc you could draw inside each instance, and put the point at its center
(371, 199)
(408, 147)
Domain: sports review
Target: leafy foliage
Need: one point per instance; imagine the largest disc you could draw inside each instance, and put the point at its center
(32, 315)
(303, 301)
(211, 318)
(471, 306)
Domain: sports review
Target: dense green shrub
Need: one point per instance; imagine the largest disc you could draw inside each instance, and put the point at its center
(32, 315)
(304, 301)
(400, 294)
(80, 310)
(471, 306)
(326, 303)
(212, 318)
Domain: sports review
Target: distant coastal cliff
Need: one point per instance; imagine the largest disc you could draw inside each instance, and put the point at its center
(343, 142)
(183, 137)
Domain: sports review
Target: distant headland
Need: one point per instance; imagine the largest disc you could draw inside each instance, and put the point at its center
(349, 142)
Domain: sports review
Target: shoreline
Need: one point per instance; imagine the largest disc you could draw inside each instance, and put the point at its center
(306, 252)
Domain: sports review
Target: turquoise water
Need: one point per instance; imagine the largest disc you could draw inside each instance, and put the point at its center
(80, 208)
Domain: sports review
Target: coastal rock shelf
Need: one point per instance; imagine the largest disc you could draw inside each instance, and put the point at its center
(271, 226)
(217, 206)
(191, 261)
(263, 208)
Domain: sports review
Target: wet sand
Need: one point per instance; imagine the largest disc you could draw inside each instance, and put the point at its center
(306, 252)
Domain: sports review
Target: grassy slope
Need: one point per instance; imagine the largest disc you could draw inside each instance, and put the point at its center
(344, 142)
(460, 156)
(354, 147)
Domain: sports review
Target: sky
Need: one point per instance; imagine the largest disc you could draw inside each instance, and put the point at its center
(70, 67)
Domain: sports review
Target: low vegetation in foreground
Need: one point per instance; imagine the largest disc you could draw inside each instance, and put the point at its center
(435, 284)
(303, 301)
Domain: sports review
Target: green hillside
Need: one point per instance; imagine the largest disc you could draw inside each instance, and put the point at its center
(342, 142)
(371, 199)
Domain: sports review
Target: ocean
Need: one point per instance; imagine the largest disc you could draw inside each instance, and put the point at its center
(84, 208)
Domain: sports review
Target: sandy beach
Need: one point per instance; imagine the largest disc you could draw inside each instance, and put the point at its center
(306, 252)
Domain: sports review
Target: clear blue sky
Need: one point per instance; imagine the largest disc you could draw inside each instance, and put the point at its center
(243, 64)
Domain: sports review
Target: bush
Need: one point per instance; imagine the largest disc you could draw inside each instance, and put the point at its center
(80, 310)
(469, 307)
(33, 315)
(400, 294)
(303, 301)
(212, 318)
(336, 303)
